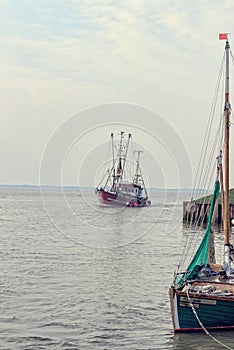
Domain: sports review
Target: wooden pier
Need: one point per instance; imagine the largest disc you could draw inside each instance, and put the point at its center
(198, 210)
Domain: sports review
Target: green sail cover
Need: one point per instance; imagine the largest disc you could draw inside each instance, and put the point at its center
(201, 255)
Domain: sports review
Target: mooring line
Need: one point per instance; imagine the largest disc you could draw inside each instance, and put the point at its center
(203, 327)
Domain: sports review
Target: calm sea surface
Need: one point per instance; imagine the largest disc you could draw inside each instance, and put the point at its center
(76, 275)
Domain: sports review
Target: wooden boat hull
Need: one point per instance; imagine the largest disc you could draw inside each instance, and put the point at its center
(120, 199)
(214, 311)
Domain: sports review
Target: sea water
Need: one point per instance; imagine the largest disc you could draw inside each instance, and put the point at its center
(77, 275)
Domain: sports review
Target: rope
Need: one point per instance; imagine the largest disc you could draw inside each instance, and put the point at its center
(198, 178)
(204, 178)
(203, 327)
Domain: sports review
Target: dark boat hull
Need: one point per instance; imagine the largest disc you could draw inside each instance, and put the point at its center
(215, 312)
(121, 199)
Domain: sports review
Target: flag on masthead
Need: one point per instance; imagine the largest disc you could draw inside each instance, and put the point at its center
(222, 36)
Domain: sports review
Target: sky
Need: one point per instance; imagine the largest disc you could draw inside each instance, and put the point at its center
(75, 70)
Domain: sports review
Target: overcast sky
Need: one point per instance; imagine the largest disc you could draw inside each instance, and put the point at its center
(62, 57)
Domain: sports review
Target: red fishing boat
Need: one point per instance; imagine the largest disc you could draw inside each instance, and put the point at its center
(117, 190)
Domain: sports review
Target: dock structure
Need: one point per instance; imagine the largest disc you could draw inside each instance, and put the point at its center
(198, 210)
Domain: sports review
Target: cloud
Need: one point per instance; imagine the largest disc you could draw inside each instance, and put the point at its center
(72, 54)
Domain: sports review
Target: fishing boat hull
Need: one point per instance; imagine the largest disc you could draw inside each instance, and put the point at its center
(214, 312)
(121, 199)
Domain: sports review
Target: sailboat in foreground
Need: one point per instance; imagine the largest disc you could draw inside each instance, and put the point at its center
(202, 295)
(117, 189)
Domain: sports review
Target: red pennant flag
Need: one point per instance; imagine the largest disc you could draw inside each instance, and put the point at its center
(222, 36)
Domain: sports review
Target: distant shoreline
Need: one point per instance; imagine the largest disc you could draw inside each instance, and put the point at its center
(83, 187)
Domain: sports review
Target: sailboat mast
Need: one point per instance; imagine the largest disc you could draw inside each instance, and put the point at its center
(220, 167)
(226, 153)
(226, 159)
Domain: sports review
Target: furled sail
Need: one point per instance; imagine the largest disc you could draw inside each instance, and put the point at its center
(201, 256)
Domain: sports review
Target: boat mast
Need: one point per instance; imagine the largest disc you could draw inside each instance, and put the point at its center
(113, 160)
(122, 155)
(227, 109)
(220, 169)
(137, 175)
